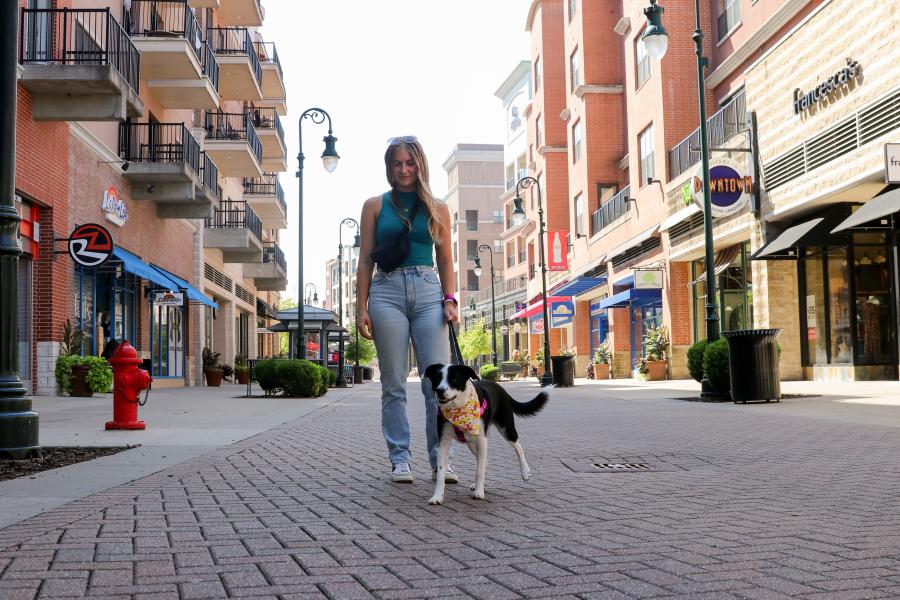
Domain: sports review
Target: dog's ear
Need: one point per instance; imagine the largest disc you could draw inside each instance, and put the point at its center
(433, 370)
(469, 372)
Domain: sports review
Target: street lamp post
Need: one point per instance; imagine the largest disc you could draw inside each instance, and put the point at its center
(477, 270)
(330, 160)
(18, 423)
(311, 299)
(518, 217)
(354, 224)
(656, 41)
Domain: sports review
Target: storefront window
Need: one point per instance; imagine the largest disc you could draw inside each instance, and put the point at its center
(735, 296)
(167, 340)
(84, 309)
(839, 307)
(873, 300)
(816, 334)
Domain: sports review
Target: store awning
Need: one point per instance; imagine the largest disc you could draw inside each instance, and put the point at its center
(538, 307)
(812, 232)
(876, 208)
(193, 294)
(134, 265)
(629, 297)
(723, 260)
(264, 310)
(685, 213)
(635, 241)
(579, 285)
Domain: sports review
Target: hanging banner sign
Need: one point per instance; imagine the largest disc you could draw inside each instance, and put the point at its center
(169, 299)
(649, 279)
(562, 313)
(892, 163)
(114, 208)
(520, 306)
(537, 326)
(90, 245)
(558, 250)
(729, 191)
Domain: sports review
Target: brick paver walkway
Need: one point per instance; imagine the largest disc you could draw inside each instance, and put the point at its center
(747, 503)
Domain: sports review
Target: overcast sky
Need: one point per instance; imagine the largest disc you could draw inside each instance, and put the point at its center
(384, 68)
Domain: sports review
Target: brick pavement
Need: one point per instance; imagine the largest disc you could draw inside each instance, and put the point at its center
(752, 503)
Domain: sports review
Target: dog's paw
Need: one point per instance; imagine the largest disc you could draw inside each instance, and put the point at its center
(472, 487)
(436, 500)
(478, 495)
(526, 474)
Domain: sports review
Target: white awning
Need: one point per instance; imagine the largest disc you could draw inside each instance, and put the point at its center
(685, 213)
(874, 209)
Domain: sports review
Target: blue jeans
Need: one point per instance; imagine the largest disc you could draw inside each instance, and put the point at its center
(407, 304)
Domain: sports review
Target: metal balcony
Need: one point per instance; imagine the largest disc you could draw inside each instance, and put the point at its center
(164, 166)
(244, 13)
(271, 274)
(232, 142)
(271, 135)
(79, 65)
(273, 90)
(241, 72)
(235, 230)
(266, 197)
(614, 208)
(168, 36)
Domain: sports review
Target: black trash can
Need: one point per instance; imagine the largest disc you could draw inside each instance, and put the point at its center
(357, 374)
(368, 373)
(563, 370)
(753, 364)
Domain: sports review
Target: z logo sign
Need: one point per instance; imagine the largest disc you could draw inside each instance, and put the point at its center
(90, 245)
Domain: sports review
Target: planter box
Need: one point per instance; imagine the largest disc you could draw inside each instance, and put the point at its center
(214, 377)
(656, 370)
(601, 371)
(242, 377)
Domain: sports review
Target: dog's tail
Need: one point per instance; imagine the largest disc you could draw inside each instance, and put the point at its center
(534, 405)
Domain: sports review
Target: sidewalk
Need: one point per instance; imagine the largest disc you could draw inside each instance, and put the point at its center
(794, 499)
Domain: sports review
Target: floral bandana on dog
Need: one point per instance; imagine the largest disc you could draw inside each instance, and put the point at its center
(467, 418)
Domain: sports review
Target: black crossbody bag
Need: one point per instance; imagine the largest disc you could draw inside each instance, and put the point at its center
(390, 254)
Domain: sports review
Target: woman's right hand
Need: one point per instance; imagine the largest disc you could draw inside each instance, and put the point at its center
(365, 325)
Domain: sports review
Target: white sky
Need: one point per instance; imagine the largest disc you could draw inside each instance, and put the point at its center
(383, 68)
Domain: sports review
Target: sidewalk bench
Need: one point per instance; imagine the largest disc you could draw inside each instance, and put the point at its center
(510, 370)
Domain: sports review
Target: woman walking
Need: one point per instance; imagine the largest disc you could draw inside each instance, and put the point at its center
(406, 299)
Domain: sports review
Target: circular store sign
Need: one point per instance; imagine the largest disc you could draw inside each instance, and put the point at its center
(90, 245)
(729, 190)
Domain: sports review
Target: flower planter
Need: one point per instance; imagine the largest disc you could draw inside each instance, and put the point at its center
(601, 370)
(214, 377)
(242, 377)
(656, 370)
(78, 382)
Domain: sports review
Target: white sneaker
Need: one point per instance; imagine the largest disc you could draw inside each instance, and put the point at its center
(449, 477)
(401, 473)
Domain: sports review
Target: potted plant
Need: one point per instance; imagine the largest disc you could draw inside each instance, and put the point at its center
(656, 345)
(71, 377)
(602, 359)
(211, 369)
(241, 369)
(82, 376)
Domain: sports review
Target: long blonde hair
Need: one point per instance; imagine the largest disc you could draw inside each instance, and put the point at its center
(435, 219)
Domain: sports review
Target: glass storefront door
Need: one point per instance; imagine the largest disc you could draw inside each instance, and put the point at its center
(735, 295)
(167, 340)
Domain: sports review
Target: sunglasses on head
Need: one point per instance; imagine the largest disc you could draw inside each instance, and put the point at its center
(403, 139)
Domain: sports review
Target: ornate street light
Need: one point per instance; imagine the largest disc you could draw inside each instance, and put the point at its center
(311, 299)
(353, 224)
(478, 271)
(330, 160)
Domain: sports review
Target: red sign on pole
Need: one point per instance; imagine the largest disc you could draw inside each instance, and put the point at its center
(557, 250)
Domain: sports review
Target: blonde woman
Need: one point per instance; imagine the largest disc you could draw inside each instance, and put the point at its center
(411, 302)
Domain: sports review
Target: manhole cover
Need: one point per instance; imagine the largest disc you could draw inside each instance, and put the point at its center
(623, 467)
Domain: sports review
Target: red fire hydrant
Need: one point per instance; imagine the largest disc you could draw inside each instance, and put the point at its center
(128, 381)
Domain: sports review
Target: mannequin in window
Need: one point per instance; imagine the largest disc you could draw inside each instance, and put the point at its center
(871, 327)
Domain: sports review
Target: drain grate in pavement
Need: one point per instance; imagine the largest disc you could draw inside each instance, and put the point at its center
(619, 467)
(625, 464)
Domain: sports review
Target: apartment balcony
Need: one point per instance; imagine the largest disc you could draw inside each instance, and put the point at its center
(191, 93)
(271, 274)
(273, 90)
(271, 135)
(204, 3)
(168, 36)
(232, 142)
(612, 209)
(240, 76)
(266, 197)
(79, 65)
(234, 229)
(243, 13)
(165, 166)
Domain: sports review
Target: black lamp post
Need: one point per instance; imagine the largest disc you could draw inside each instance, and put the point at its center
(656, 41)
(18, 423)
(518, 217)
(353, 223)
(478, 270)
(330, 160)
(311, 299)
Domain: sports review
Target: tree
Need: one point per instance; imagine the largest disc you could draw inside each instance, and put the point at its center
(284, 344)
(366, 349)
(475, 341)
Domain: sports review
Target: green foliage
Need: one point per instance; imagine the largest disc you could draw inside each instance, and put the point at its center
(656, 343)
(366, 349)
(283, 338)
(520, 357)
(63, 372)
(603, 353)
(240, 363)
(294, 378)
(715, 365)
(324, 378)
(99, 377)
(266, 373)
(641, 368)
(210, 360)
(475, 341)
(490, 372)
(71, 342)
(539, 357)
(695, 359)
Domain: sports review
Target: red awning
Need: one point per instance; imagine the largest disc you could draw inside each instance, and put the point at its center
(538, 307)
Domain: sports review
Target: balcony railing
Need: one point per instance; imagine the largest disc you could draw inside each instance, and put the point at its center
(268, 55)
(165, 19)
(266, 118)
(210, 65)
(78, 37)
(267, 185)
(272, 253)
(233, 127)
(614, 208)
(235, 214)
(235, 41)
(209, 174)
(159, 143)
(727, 122)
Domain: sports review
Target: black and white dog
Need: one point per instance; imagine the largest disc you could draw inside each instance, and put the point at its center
(467, 407)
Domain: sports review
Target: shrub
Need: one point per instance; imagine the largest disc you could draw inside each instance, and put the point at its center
(715, 365)
(294, 378)
(603, 353)
(490, 372)
(266, 373)
(99, 377)
(210, 360)
(695, 359)
(656, 343)
(323, 379)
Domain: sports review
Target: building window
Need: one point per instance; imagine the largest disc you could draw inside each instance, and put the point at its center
(498, 215)
(573, 9)
(471, 249)
(729, 16)
(455, 254)
(645, 141)
(575, 69)
(641, 60)
(576, 142)
(471, 220)
(498, 246)
(510, 175)
(510, 255)
(537, 73)
(472, 280)
(579, 214)
(734, 290)
(537, 132)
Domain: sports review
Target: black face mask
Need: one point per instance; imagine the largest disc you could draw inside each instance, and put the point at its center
(390, 254)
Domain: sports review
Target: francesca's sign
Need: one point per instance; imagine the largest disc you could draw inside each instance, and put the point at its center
(729, 190)
(169, 298)
(803, 101)
(113, 207)
(892, 163)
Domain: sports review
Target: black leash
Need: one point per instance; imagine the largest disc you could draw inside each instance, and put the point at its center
(455, 353)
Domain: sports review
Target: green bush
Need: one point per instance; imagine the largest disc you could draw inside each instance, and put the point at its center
(266, 374)
(695, 359)
(490, 372)
(99, 378)
(294, 378)
(323, 379)
(715, 365)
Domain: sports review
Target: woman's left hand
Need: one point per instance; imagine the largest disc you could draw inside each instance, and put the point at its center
(450, 312)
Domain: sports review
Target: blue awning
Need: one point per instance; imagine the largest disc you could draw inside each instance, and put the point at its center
(134, 265)
(629, 297)
(193, 293)
(579, 285)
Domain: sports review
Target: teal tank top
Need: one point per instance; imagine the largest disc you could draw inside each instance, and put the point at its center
(388, 225)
